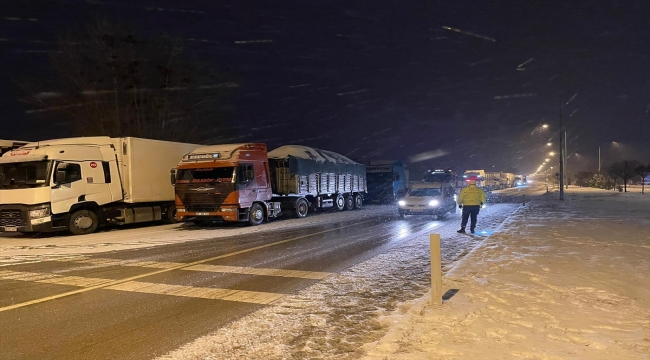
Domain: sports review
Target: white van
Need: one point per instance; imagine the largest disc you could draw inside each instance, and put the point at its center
(428, 198)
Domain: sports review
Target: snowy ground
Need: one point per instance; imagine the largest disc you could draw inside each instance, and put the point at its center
(558, 280)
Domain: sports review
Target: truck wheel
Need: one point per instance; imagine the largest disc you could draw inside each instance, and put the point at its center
(302, 208)
(349, 202)
(358, 201)
(339, 202)
(256, 215)
(170, 215)
(83, 222)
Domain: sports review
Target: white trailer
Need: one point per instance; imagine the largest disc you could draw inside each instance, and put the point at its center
(79, 184)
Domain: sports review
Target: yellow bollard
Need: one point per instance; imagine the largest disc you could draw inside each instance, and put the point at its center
(436, 270)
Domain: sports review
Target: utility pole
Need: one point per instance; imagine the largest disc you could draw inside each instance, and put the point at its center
(561, 177)
(599, 159)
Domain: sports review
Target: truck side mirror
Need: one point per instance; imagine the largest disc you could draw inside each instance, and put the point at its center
(59, 178)
(172, 176)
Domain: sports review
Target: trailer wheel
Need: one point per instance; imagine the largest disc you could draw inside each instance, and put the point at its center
(83, 222)
(339, 202)
(302, 208)
(349, 202)
(256, 215)
(358, 201)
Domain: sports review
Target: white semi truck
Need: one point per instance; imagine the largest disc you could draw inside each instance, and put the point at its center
(79, 184)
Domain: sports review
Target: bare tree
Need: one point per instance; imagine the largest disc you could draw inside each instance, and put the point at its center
(114, 82)
(624, 170)
(643, 171)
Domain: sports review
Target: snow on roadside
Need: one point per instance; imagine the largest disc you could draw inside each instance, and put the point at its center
(561, 280)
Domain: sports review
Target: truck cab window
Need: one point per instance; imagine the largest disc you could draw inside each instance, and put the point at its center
(245, 173)
(68, 173)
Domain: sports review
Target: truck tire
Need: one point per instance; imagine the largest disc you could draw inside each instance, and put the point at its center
(358, 201)
(339, 202)
(170, 215)
(83, 222)
(302, 208)
(349, 202)
(256, 215)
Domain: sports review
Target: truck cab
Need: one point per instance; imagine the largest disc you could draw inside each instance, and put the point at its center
(387, 181)
(428, 198)
(223, 183)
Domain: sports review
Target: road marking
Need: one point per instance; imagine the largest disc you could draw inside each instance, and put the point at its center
(103, 262)
(254, 297)
(316, 275)
(52, 278)
(132, 278)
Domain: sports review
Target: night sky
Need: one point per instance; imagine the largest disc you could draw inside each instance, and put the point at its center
(464, 83)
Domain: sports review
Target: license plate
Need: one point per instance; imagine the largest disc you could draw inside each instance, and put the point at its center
(10, 228)
(202, 213)
(417, 210)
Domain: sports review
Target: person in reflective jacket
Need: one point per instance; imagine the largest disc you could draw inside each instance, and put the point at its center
(470, 200)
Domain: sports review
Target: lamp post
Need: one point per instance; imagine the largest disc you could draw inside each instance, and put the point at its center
(562, 135)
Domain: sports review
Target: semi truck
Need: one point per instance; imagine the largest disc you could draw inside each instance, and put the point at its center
(387, 180)
(246, 183)
(80, 184)
(476, 175)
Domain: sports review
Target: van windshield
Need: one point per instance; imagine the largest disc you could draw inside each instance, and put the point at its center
(23, 175)
(205, 175)
(422, 192)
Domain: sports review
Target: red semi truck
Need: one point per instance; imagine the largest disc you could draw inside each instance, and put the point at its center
(245, 183)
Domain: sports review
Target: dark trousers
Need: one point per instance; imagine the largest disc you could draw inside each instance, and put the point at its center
(470, 210)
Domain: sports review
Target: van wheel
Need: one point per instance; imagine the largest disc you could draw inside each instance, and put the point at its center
(302, 208)
(358, 201)
(83, 222)
(339, 202)
(349, 202)
(256, 215)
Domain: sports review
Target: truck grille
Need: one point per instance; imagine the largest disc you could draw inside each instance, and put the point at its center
(11, 218)
(203, 201)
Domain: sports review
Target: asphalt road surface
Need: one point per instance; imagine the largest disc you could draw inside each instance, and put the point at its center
(142, 303)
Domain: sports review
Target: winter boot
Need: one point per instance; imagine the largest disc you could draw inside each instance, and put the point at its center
(471, 230)
(462, 230)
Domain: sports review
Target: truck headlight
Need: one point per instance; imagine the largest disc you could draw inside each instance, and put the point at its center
(180, 210)
(227, 209)
(433, 203)
(39, 213)
(401, 203)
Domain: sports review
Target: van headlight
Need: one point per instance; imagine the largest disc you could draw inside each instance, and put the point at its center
(39, 213)
(434, 203)
(401, 203)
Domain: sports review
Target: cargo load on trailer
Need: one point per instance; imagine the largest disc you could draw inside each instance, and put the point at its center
(246, 183)
(79, 184)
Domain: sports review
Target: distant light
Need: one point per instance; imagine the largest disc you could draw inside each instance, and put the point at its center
(551, 153)
(545, 126)
(549, 144)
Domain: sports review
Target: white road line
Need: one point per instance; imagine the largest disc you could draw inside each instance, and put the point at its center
(132, 278)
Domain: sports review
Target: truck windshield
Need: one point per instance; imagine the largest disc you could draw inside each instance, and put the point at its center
(24, 175)
(424, 192)
(205, 175)
(378, 178)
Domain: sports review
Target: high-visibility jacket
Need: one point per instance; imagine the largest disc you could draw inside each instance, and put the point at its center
(471, 195)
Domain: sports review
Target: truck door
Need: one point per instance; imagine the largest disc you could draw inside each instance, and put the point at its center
(246, 184)
(262, 178)
(68, 186)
